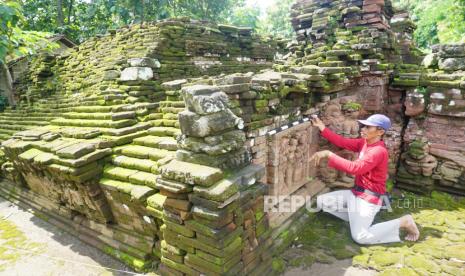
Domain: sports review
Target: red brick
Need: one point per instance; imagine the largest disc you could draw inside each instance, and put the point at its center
(372, 8)
(380, 26)
(272, 175)
(371, 2)
(259, 161)
(258, 148)
(374, 20)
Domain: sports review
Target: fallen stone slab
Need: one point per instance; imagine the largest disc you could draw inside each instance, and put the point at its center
(191, 173)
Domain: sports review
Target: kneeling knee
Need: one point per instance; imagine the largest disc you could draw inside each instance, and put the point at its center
(320, 203)
(359, 238)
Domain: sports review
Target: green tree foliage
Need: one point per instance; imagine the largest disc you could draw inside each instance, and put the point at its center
(80, 19)
(213, 10)
(277, 21)
(9, 18)
(438, 21)
(15, 42)
(245, 16)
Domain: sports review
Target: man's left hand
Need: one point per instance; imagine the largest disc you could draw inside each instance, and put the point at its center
(320, 155)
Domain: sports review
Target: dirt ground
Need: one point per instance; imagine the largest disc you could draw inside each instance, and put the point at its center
(31, 246)
(337, 268)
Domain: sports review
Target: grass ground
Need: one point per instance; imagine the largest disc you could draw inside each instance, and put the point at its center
(439, 251)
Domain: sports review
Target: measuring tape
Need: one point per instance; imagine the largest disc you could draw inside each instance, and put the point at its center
(284, 127)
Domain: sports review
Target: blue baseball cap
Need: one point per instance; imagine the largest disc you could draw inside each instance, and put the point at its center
(378, 120)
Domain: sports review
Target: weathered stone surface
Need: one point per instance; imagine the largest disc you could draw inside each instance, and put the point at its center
(220, 191)
(174, 85)
(178, 204)
(203, 99)
(75, 151)
(144, 62)
(452, 64)
(191, 173)
(135, 163)
(179, 229)
(209, 268)
(308, 69)
(173, 186)
(84, 160)
(214, 145)
(233, 79)
(414, 104)
(156, 201)
(143, 178)
(230, 160)
(450, 50)
(430, 61)
(235, 88)
(207, 214)
(195, 125)
(111, 75)
(136, 73)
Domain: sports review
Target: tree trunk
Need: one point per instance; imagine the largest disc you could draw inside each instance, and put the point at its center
(60, 20)
(173, 8)
(70, 10)
(6, 83)
(204, 10)
(142, 10)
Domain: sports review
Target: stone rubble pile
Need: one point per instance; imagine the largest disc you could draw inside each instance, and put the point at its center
(433, 158)
(209, 129)
(404, 28)
(347, 39)
(214, 222)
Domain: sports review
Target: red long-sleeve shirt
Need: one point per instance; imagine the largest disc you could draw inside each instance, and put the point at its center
(370, 169)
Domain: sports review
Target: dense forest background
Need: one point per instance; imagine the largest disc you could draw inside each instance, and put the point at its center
(27, 22)
(438, 21)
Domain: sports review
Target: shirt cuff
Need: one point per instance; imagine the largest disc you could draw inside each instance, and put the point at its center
(331, 160)
(325, 132)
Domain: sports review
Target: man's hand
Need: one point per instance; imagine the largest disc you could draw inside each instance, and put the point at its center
(318, 123)
(320, 155)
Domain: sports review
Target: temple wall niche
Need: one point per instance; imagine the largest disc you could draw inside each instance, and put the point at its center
(289, 152)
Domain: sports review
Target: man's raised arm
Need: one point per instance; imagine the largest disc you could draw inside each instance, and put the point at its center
(351, 144)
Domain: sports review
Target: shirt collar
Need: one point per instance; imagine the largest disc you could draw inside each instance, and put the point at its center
(379, 143)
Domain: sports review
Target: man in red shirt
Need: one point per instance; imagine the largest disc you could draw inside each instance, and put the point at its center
(360, 205)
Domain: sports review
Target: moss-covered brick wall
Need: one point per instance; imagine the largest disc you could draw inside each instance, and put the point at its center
(433, 140)
(158, 143)
(127, 66)
(96, 124)
(214, 223)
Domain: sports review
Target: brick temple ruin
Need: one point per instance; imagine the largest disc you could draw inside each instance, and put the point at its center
(158, 143)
